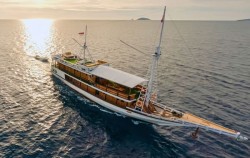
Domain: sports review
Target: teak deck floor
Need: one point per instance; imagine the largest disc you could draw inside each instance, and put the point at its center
(197, 120)
(201, 121)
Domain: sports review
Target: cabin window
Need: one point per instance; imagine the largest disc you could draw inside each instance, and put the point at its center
(71, 71)
(77, 83)
(84, 76)
(67, 69)
(68, 78)
(77, 74)
(61, 66)
(97, 80)
(84, 87)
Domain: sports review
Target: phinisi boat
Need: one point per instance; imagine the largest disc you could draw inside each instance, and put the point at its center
(127, 94)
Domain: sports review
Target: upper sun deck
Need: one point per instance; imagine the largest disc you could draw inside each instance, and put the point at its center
(75, 60)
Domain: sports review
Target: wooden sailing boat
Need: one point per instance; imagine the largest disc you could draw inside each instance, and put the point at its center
(125, 93)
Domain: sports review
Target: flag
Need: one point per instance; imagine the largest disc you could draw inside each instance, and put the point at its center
(81, 33)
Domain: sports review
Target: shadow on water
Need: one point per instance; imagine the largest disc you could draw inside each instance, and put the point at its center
(125, 137)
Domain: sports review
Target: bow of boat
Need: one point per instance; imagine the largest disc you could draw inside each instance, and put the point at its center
(211, 126)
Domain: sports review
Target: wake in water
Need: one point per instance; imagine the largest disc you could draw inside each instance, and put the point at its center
(106, 111)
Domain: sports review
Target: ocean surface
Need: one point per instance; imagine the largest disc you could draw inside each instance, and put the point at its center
(204, 69)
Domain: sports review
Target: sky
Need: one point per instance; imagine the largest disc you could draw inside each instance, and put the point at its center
(125, 9)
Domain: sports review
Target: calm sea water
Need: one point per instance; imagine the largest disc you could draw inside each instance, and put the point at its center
(204, 69)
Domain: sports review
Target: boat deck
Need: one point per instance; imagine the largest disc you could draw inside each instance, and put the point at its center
(195, 119)
(187, 117)
(75, 59)
(72, 61)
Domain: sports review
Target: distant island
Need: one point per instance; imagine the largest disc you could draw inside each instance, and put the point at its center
(143, 19)
(244, 20)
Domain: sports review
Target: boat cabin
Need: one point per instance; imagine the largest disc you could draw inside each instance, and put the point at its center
(97, 78)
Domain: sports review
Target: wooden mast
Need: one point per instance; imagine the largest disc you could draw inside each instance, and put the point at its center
(153, 70)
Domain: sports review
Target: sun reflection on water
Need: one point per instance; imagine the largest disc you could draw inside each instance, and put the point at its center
(38, 36)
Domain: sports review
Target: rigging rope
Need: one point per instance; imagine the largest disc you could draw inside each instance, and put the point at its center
(178, 31)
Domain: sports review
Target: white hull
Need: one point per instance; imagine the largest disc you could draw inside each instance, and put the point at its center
(132, 113)
(158, 121)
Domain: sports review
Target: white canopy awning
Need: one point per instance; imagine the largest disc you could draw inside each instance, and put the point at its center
(117, 76)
